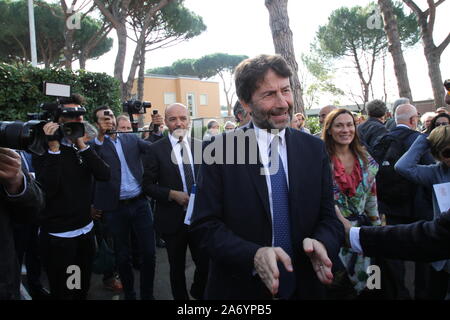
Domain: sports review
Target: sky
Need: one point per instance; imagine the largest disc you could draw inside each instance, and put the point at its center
(242, 27)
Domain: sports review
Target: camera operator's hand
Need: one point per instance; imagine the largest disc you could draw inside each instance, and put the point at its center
(80, 143)
(11, 176)
(182, 198)
(103, 126)
(49, 129)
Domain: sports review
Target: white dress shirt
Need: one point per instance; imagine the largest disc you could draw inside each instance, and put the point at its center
(176, 152)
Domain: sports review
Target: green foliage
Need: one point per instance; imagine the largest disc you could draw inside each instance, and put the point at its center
(14, 33)
(205, 67)
(322, 79)
(347, 31)
(312, 123)
(21, 89)
(184, 67)
(213, 64)
(169, 71)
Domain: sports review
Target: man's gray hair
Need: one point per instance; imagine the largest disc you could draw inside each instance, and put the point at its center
(404, 112)
(90, 130)
(122, 117)
(399, 102)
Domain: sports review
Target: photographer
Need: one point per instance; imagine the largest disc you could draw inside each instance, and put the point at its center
(156, 134)
(66, 172)
(20, 199)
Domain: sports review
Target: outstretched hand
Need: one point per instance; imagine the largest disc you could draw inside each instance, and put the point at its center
(265, 262)
(317, 253)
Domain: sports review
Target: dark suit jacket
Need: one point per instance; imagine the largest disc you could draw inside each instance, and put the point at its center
(162, 175)
(421, 206)
(20, 209)
(232, 218)
(371, 131)
(421, 241)
(107, 194)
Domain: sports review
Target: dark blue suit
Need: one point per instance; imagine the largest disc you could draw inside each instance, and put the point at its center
(107, 193)
(125, 215)
(232, 218)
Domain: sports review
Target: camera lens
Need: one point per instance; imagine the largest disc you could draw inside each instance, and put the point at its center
(15, 135)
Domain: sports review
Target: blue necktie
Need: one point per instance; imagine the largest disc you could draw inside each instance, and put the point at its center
(281, 220)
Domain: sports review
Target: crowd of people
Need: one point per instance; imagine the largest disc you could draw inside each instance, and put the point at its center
(267, 209)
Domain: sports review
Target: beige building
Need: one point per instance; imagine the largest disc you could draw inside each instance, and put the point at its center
(201, 97)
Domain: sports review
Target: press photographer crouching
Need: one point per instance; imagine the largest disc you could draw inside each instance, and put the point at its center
(66, 172)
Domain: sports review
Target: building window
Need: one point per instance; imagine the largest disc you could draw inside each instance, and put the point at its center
(190, 97)
(169, 98)
(203, 99)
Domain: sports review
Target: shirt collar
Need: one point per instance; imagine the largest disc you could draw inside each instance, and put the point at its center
(266, 136)
(174, 140)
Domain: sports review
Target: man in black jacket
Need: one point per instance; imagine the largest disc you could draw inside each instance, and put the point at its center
(66, 172)
(373, 129)
(170, 170)
(20, 200)
(420, 241)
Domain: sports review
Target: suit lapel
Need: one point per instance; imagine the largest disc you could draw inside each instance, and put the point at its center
(297, 170)
(254, 171)
(168, 155)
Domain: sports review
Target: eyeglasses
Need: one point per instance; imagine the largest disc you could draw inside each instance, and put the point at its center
(446, 153)
(437, 124)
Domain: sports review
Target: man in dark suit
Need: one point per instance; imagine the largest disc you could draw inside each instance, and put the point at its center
(250, 214)
(373, 129)
(170, 171)
(122, 203)
(418, 205)
(420, 241)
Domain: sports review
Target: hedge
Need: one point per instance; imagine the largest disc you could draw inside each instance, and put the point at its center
(21, 89)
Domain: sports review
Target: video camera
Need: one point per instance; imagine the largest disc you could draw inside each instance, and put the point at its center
(133, 107)
(30, 136)
(447, 85)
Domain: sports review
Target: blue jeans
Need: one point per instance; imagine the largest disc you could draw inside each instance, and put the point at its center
(134, 216)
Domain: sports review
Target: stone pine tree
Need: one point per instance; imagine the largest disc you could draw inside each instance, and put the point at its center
(432, 51)
(284, 45)
(395, 48)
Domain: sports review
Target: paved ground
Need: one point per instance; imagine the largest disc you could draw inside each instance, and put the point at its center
(162, 289)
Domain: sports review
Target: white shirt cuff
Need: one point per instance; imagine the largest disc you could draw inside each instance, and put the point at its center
(354, 240)
(84, 149)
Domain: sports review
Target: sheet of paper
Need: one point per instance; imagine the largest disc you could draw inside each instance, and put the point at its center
(190, 207)
(442, 192)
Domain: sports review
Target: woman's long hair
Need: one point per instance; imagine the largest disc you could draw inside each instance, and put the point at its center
(355, 146)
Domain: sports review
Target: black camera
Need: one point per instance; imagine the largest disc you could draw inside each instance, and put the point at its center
(136, 106)
(30, 136)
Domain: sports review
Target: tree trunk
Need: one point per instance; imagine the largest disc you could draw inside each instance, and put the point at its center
(395, 48)
(434, 72)
(82, 59)
(141, 74)
(120, 58)
(284, 45)
(432, 52)
(68, 37)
